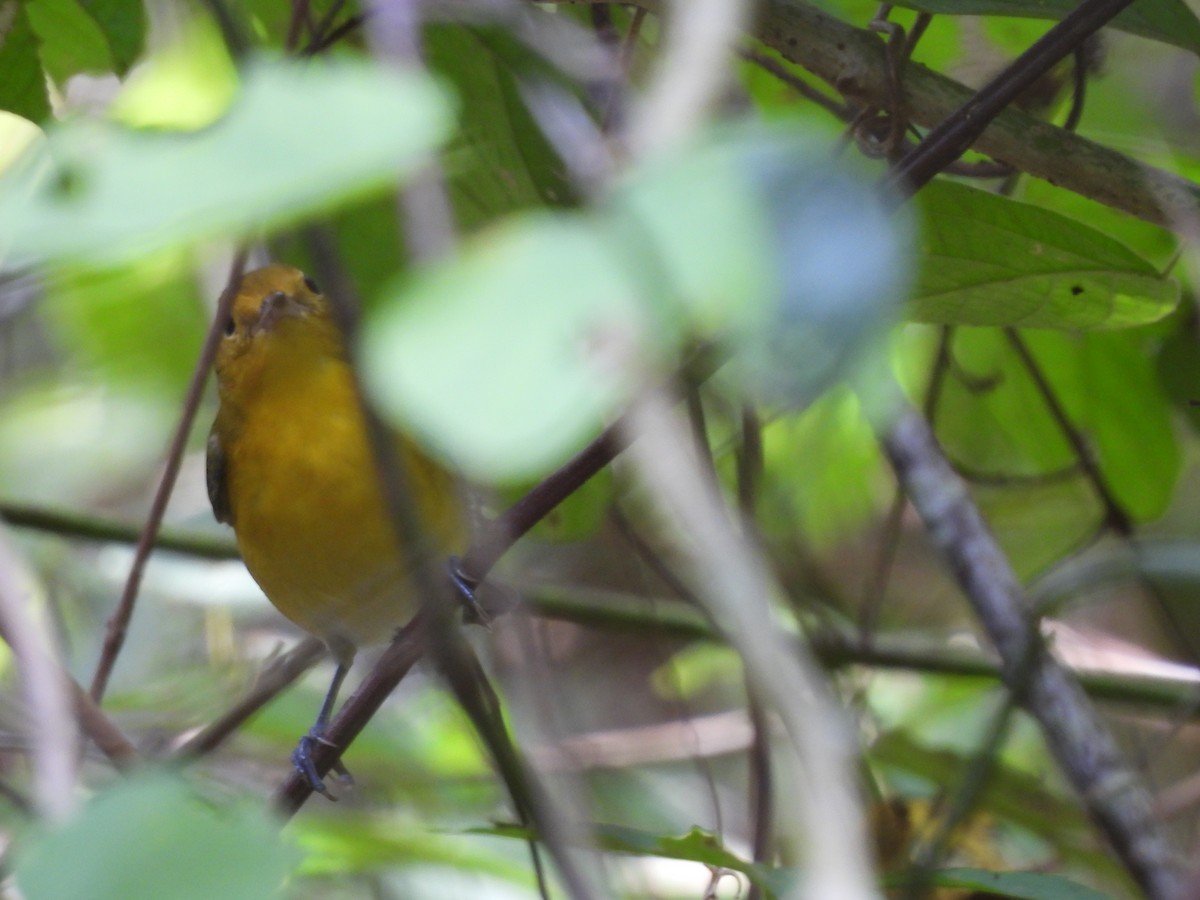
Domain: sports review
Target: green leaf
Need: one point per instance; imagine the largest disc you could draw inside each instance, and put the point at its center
(1168, 21)
(123, 24)
(694, 226)
(824, 466)
(994, 419)
(104, 194)
(755, 235)
(1038, 521)
(150, 837)
(494, 358)
(697, 846)
(1022, 885)
(927, 770)
(23, 85)
(370, 842)
(499, 162)
(69, 40)
(988, 260)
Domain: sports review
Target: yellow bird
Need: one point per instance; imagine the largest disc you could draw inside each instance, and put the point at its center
(291, 469)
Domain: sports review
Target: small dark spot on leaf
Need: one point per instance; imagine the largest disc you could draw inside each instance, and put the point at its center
(1076, 290)
(67, 182)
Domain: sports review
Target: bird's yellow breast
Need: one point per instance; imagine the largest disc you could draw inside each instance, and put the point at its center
(303, 491)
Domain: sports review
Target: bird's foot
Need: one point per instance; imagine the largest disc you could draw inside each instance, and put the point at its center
(302, 759)
(473, 611)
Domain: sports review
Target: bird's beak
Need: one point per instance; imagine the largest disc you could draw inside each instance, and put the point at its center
(275, 307)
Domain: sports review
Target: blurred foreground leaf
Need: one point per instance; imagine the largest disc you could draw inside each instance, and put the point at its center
(151, 837)
(103, 193)
(511, 356)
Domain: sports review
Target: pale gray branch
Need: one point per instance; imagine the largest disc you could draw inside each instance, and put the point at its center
(1118, 801)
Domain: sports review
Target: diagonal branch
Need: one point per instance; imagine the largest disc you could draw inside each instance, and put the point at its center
(853, 60)
(1083, 747)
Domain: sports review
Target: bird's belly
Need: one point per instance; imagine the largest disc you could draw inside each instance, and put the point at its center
(317, 539)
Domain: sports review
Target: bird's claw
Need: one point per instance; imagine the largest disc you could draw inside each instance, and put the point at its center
(302, 759)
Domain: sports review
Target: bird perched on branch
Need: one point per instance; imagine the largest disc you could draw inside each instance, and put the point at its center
(291, 469)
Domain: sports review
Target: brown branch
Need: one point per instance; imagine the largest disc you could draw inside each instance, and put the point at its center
(853, 61)
(401, 655)
(97, 528)
(114, 637)
(277, 676)
(107, 737)
(954, 134)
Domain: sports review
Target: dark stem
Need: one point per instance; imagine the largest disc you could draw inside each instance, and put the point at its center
(118, 625)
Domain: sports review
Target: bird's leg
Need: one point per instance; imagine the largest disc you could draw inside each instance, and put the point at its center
(302, 756)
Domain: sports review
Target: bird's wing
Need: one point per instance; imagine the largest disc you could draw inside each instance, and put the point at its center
(218, 482)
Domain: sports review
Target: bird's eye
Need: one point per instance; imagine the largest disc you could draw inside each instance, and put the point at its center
(311, 285)
(230, 327)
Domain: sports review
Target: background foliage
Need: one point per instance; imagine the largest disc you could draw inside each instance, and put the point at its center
(1048, 335)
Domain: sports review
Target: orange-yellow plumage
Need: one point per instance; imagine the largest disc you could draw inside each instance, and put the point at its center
(291, 469)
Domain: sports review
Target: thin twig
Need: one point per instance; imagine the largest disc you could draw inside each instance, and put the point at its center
(296, 22)
(769, 64)
(96, 724)
(750, 467)
(114, 638)
(277, 676)
(97, 528)
(1115, 515)
(839, 647)
(972, 784)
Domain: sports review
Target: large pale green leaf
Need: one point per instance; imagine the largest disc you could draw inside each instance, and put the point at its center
(756, 236)
(298, 139)
(23, 85)
(511, 356)
(988, 260)
(153, 837)
(498, 357)
(1169, 21)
